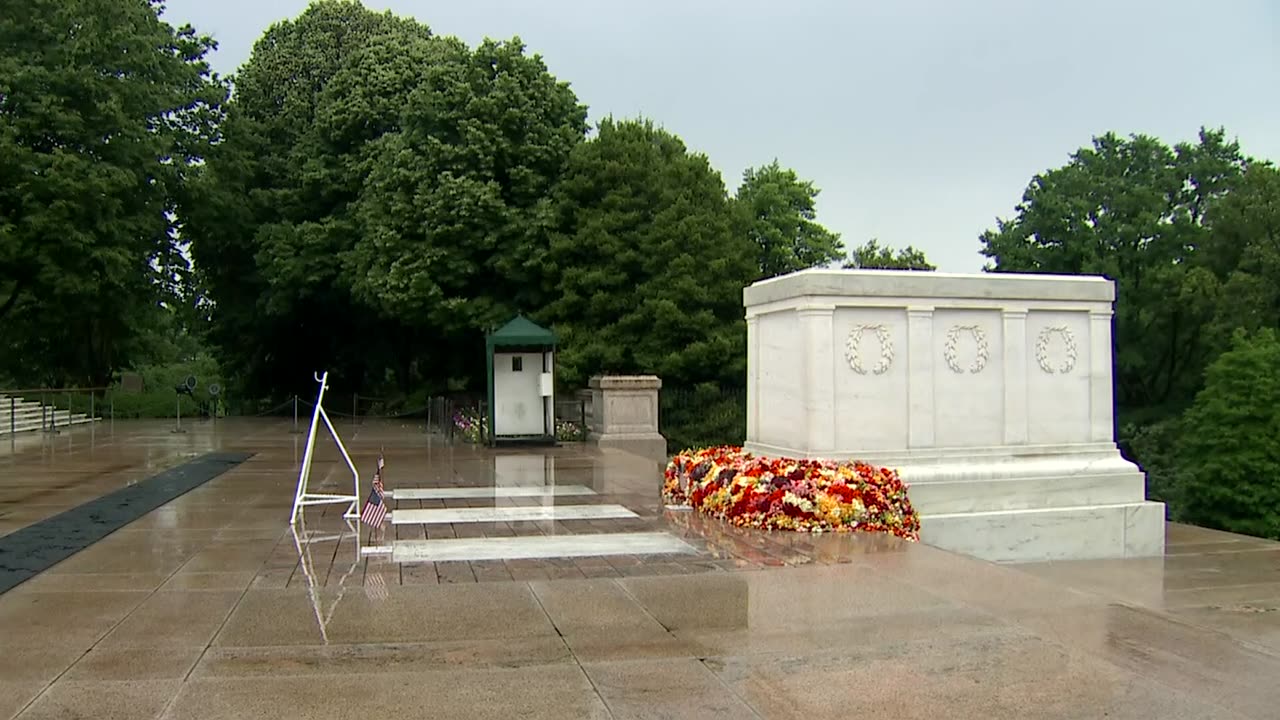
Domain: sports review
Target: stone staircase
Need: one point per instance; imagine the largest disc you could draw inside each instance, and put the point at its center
(18, 416)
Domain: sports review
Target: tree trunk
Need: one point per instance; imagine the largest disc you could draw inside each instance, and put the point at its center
(18, 288)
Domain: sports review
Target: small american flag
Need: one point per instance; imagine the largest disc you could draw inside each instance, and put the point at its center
(377, 474)
(375, 511)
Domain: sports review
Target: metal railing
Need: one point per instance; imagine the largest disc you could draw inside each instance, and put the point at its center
(702, 415)
(52, 402)
(460, 416)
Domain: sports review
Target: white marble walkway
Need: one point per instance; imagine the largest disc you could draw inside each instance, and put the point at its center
(519, 513)
(460, 493)
(538, 546)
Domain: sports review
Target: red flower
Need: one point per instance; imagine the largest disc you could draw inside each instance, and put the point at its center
(844, 492)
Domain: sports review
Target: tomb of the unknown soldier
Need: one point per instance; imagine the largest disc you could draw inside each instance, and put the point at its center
(990, 394)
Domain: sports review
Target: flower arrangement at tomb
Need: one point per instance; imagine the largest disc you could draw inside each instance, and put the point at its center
(786, 494)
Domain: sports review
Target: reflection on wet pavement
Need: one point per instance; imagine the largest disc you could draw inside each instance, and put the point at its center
(213, 607)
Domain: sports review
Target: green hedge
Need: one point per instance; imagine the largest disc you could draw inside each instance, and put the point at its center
(702, 415)
(157, 399)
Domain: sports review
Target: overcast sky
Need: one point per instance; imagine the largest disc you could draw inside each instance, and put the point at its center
(921, 122)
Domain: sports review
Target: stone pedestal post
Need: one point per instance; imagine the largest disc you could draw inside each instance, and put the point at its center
(624, 414)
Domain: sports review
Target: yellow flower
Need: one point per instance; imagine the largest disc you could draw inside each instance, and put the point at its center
(829, 508)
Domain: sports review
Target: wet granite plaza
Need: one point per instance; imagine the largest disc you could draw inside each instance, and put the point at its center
(211, 606)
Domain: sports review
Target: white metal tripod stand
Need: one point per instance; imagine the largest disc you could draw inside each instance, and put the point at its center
(302, 497)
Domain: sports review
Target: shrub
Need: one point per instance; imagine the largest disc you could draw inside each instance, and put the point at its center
(157, 399)
(1230, 446)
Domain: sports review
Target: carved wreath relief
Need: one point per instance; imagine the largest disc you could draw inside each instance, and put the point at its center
(952, 356)
(853, 354)
(1069, 351)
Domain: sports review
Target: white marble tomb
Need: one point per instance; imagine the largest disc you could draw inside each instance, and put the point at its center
(991, 394)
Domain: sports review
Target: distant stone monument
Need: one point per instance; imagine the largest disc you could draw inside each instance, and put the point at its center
(624, 414)
(991, 394)
(131, 382)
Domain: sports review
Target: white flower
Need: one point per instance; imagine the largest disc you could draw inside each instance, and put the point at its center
(803, 503)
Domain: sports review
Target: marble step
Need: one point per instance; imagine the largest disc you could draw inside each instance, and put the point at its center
(967, 496)
(21, 425)
(520, 513)
(538, 546)
(22, 413)
(18, 408)
(458, 493)
(1085, 532)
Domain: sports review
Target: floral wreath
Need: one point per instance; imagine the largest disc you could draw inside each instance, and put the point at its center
(854, 356)
(1042, 349)
(953, 358)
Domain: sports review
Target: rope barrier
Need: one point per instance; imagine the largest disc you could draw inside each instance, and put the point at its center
(371, 416)
(264, 413)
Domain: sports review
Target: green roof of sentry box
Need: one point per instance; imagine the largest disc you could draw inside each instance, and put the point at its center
(521, 331)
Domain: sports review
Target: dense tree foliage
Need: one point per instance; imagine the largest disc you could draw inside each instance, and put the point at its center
(872, 256)
(452, 203)
(103, 110)
(372, 200)
(395, 182)
(1243, 253)
(645, 268)
(1134, 210)
(1229, 454)
(778, 211)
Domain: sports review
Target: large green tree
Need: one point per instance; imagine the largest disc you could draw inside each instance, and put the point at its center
(1133, 209)
(453, 206)
(104, 108)
(376, 203)
(778, 211)
(871, 255)
(266, 225)
(646, 268)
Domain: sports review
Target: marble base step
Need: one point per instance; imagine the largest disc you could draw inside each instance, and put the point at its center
(942, 497)
(522, 513)
(458, 493)
(538, 546)
(32, 424)
(1084, 532)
